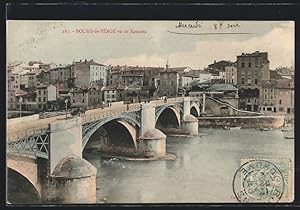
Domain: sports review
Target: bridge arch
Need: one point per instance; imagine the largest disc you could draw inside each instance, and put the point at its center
(195, 108)
(89, 129)
(24, 170)
(168, 115)
(120, 134)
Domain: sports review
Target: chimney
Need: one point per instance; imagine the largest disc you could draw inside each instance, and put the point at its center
(85, 60)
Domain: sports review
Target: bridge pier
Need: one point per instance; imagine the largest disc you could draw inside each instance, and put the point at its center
(73, 181)
(189, 122)
(152, 140)
(65, 139)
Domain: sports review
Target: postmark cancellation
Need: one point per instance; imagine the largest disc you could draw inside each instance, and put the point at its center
(264, 181)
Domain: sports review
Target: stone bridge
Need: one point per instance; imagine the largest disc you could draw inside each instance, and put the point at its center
(56, 144)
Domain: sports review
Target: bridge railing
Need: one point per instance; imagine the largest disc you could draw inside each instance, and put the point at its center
(161, 102)
(13, 135)
(112, 111)
(175, 100)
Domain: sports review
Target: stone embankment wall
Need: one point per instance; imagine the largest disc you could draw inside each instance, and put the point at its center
(244, 122)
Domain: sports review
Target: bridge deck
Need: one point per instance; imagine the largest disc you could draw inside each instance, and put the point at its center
(20, 130)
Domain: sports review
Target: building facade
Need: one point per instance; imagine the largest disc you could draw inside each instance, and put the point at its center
(95, 96)
(277, 96)
(132, 75)
(114, 78)
(169, 83)
(110, 94)
(28, 80)
(252, 69)
(27, 99)
(204, 76)
(79, 97)
(89, 73)
(46, 96)
(231, 74)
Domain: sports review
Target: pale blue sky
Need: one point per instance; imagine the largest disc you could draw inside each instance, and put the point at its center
(44, 40)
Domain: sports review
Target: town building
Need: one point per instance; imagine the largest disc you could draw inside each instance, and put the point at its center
(186, 79)
(169, 82)
(277, 96)
(132, 75)
(231, 74)
(110, 94)
(27, 99)
(13, 84)
(64, 73)
(285, 95)
(44, 77)
(121, 93)
(252, 69)
(95, 95)
(28, 80)
(150, 83)
(9, 78)
(89, 73)
(133, 94)
(11, 100)
(220, 65)
(181, 70)
(79, 97)
(114, 76)
(15, 81)
(204, 76)
(46, 96)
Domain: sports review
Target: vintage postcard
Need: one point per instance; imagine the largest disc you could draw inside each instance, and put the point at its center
(150, 111)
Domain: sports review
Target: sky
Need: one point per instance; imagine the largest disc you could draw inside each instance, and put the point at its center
(150, 43)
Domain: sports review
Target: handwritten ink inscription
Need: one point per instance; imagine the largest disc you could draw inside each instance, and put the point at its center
(226, 26)
(189, 25)
(215, 26)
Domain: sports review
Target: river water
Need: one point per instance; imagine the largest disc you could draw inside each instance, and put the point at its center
(203, 171)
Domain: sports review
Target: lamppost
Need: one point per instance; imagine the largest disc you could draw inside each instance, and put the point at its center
(66, 102)
(21, 101)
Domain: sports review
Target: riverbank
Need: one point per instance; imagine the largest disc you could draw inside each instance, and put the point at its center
(270, 121)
